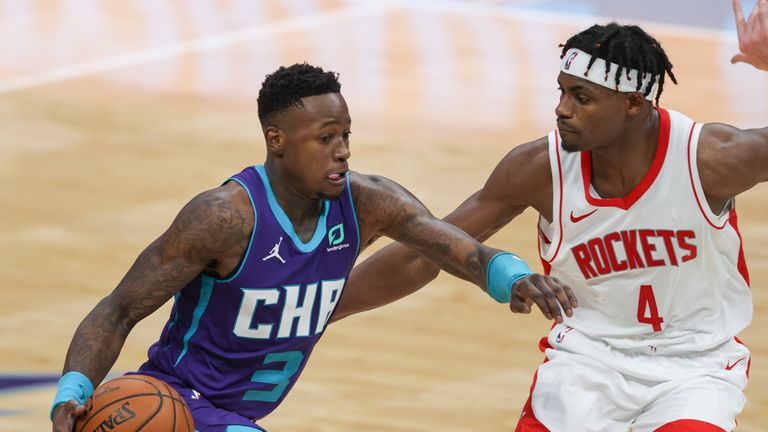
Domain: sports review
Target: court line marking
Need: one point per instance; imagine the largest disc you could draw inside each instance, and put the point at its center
(176, 49)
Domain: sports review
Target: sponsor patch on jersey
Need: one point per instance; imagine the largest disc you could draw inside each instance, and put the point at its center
(335, 239)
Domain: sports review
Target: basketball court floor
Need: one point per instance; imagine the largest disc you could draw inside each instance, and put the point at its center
(114, 114)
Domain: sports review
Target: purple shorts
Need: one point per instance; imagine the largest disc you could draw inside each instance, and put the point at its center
(207, 417)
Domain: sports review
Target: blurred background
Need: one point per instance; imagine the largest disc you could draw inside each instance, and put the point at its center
(114, 114)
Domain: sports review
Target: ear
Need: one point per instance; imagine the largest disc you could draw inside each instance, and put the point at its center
(636, 103)
(275, 139)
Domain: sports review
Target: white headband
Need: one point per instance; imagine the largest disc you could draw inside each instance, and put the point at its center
(575, 63)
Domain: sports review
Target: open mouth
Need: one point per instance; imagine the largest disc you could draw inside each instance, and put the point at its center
(338, 178)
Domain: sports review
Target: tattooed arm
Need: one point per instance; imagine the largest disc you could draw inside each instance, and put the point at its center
(209, 234)
(385, 208)
(522, 179)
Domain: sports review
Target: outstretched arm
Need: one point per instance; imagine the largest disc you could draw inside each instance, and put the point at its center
(520, 180)
(398, 270)
(753, 35)
(208, 227)
(731, 161)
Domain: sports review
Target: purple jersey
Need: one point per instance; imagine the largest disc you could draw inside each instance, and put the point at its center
(243, 341)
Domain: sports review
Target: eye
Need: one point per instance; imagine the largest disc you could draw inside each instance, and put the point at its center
(560, 89)
(582, 99)
(326, 139)
(346, 134)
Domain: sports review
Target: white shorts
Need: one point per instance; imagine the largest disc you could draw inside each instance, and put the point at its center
(587, 385)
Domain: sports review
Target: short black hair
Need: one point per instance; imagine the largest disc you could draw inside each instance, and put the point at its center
(285, 87)
(628, 46)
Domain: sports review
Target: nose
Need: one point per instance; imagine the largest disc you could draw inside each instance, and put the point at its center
(342, 152)
(563, 108)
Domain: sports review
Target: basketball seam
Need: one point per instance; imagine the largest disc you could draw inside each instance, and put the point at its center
(173, 395)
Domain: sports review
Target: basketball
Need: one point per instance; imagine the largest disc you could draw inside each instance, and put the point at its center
(134, 403)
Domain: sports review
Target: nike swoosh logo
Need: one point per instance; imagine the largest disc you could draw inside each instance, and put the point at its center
(730, 366)
(577, 219)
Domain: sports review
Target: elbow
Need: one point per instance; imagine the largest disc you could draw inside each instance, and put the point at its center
(421, 270)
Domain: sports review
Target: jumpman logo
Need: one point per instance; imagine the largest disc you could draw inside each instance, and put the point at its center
(275, 252)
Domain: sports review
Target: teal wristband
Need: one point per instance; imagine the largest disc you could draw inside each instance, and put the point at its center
(504, 269)
(72, 386)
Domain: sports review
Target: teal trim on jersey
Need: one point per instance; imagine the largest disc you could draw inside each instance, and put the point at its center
(253, 233)
(175, 317)
(354, 213)
(240, 428)
(206, 289)
(282, 218)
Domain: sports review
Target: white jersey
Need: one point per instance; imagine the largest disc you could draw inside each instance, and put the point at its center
(656, 271)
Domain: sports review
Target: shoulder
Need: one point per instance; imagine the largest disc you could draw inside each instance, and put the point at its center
(376, 191)
(523, 176)
(228, 199)
(717, 134)
(219, 218)
(718, 147)
(368, 182)
(730, 160)
(531, 157)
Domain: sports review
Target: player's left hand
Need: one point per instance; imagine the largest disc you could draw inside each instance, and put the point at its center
(65, 414)
(550, 295)
(753, 35)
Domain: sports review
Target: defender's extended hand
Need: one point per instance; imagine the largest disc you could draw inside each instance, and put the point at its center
(546, 292)
(753, 35)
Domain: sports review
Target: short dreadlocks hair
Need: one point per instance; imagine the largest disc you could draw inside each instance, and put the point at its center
(286, 87)
(628, 46)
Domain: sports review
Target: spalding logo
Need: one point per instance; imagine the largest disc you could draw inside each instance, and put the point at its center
(122, 414)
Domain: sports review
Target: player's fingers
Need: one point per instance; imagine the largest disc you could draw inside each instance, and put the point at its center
(752, 21)
(528, 302)
(79, 410)
(538, 291)
(738, 13)
(555, 298)
(739, 58)
(762, 14)
(63, 417)
(518, 306)
(569, 292)
(66, 427)
(562, 296)
(526, 293)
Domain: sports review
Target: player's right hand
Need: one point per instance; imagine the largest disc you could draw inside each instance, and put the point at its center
(753, 35)
(550, 295)
(65, 414)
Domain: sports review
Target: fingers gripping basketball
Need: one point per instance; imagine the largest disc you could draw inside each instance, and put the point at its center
(133, 403)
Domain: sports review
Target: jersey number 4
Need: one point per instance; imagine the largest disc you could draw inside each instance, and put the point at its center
(647, 312)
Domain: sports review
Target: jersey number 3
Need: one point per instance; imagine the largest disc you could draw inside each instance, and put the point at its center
(279, 378)
(647, 312)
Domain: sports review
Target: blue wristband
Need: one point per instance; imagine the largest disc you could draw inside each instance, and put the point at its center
(504, 269)
(72, 386)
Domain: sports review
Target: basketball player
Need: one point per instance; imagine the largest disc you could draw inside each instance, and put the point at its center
(637, 215)
(257, 266)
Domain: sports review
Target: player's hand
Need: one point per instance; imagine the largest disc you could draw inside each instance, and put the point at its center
(547, 292)
(753, 35)
(65, 414)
